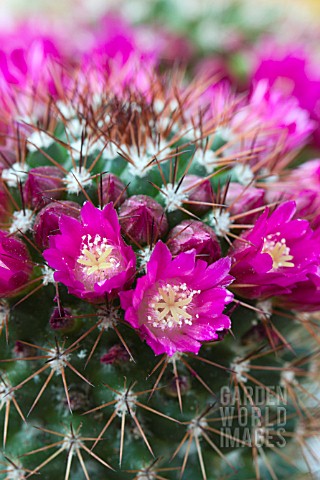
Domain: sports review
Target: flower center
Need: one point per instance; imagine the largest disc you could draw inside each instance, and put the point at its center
(98, 260)
(169, 306)
(278, 251)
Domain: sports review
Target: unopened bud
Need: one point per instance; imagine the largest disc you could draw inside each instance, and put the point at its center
(43, 185)
(143, 219)
(113, 190)
(191, 234)
(201, 193)
(47, 220)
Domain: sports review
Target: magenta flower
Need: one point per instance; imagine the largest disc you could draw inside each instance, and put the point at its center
(89, 255)
(292, 70)
(301, 185)
(304, 297)
(15, 265)
(275, 254)
(118, 53)
(27, 58)
(179, 302)
(284, 121)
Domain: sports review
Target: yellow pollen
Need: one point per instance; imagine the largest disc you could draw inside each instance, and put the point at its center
(170, 305)
(95, 255)
(279, 253)
(96, 261)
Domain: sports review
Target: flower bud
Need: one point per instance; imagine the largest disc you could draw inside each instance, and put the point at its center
(116, 354)
(15, 265)
(243, 199)
(191, 234)
(143, 219)
(202, 192)
(113, 190)
(47, 220)
(61, 319)
(42, 186)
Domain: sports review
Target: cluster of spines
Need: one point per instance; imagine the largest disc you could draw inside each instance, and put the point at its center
(130, 129)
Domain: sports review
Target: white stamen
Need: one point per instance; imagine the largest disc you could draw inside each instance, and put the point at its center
(278, 251)
(169, 306)
(98, 260)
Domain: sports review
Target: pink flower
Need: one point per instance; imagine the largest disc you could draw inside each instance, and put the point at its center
(118, 53)
(301, 185)
(27, 58)
(89, 255)
(275, 254)
(291, 69)
(179, 302)
(305, 296)
(274, 119)
(15, 265)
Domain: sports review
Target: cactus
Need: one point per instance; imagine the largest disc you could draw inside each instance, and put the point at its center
(159, 280)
